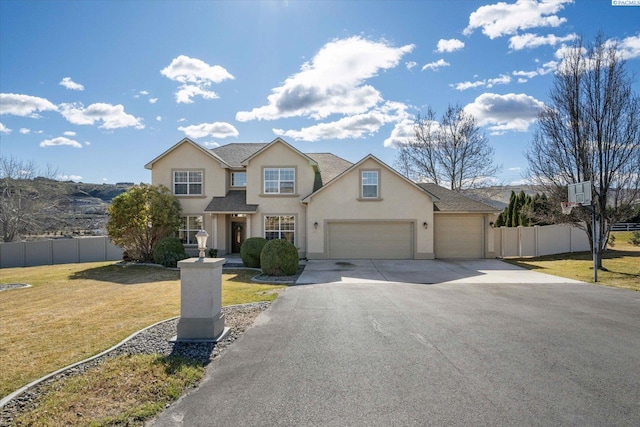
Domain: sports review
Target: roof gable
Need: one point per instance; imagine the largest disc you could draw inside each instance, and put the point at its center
(357, 165)
(279, 140)
(187, 141)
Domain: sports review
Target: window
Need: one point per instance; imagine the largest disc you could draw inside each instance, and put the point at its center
(238, 179)
(187, 183)
(369, 184)
(280, 227)
(190, 226)
(279, 180)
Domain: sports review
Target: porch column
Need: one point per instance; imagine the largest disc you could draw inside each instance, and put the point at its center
(247, 225)
(214, 232)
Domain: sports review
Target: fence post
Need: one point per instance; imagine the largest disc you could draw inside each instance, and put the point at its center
(536, 229)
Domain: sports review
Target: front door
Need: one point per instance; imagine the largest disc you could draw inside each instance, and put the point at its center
(237, 236)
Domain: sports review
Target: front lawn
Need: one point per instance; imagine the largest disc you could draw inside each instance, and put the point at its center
(622, 264)
(74, 311)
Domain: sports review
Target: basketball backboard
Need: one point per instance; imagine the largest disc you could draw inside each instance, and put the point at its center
(580, 193)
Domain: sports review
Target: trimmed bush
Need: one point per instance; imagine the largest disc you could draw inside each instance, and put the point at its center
(168, 252)
(279, 258)
(250, 251)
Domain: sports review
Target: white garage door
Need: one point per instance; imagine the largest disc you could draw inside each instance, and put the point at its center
(459, 236)
(370, 240)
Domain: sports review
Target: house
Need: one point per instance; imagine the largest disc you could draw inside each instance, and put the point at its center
(328, 207)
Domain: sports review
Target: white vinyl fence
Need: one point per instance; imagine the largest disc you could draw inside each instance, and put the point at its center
(540, 240)
(58, 251)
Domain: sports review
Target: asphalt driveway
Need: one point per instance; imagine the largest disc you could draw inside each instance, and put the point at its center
(460, 352)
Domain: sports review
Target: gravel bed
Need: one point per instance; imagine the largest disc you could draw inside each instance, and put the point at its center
(154, 340)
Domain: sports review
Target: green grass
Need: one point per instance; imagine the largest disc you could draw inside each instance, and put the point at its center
(621, 264)
(75, 311)
(124, 390)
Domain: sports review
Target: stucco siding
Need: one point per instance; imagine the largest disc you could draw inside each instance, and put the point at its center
(399, 201)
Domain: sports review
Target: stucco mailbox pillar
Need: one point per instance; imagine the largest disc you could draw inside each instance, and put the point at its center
(201, 315)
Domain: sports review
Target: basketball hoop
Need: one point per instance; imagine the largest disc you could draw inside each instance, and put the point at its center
(567, 207)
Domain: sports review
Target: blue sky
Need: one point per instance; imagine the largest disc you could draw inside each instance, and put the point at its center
(97, 89)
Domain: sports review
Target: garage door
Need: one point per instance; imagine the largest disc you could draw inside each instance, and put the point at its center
(459, 236)
(370, 240)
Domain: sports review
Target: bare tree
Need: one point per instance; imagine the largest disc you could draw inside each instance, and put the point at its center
(451, 152)
(590, 131)
(25, 199)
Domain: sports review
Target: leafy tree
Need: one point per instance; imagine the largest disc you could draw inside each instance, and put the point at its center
(590, 131)
(141, 217)
(451, 152)
(27, 198)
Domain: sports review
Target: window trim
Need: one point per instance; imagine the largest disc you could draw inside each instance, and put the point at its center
(188, 230)
(280, 231)
(279, 181)
(233, 173)
(377, 197)
(188, 183)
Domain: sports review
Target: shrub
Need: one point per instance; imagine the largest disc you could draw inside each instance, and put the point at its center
(250, 251)
(635, 238)
(279, 258)
(168, 252)
(213, 253)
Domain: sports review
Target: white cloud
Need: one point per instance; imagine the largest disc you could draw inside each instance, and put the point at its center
(87, 143)
(25, 131)
(350, 127)
(153, 100)
(70, 84)
(211, 144)
(75, 178)
(502, 80)
(4, 129)
(69, 133)
(501, 19)
(435, 65)
(186, 92)
(629, 47)
(143, 92)
(515, 169)
(159, 118)
(112, 116)
(502, 113)
(489, 83)
(195, 76)
(468, 85)
(181, 120)
(450, 45)
(527, 74)
(401, 133)
(530, 41)
(55, 142)
(215, 130)
(410, 64)
(332, 82)
(24, 105)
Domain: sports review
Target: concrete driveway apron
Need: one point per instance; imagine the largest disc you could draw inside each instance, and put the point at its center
(461, 352)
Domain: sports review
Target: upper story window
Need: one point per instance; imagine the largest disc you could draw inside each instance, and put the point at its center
(238, 179)
(370, 186)
(187, 183)
(279, 180)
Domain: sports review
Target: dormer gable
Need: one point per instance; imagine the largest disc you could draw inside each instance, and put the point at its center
(204, 151)
(276, 141)
(379, 163)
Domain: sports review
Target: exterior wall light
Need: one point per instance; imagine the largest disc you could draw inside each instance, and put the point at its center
(425, 225)
(315, 225)
(201, 237)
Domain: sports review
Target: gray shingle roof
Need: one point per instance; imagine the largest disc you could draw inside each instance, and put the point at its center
(330, 165)
(236, 152)
(234, 201)
(452, 201)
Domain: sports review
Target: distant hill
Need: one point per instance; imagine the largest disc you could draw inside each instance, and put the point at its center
(498, 196)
